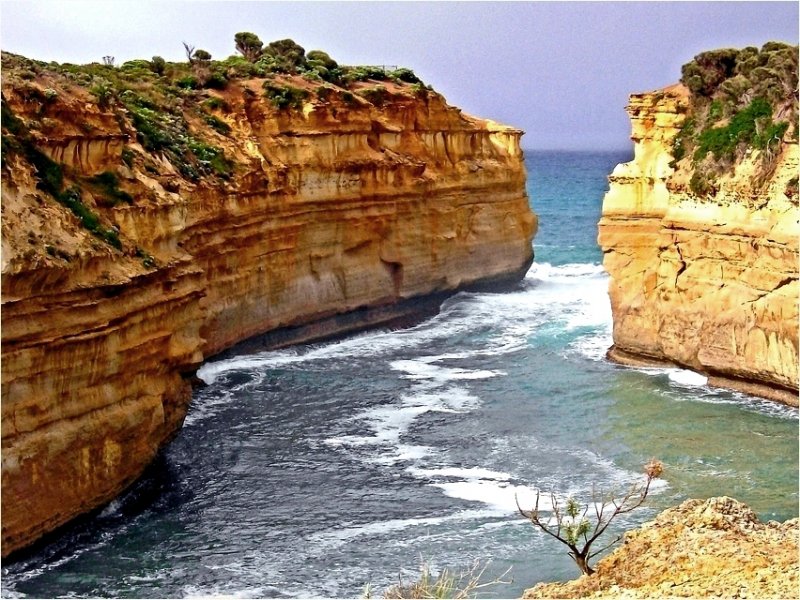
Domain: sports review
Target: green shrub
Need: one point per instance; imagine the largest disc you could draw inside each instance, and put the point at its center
(348, 98)
(127, 156)
(107, 184)
(287, 54)
(318, 56)
(405, 75)
(249, 45)
(71, 198)
(103, 92)
(210, 158)
(218, 124)
(323, 93)
(162, 131)
(722, 141)
(188, 83)
(708, 69)
(701, 184)
(376, 95)
(157, 65)
(771, 135)
(214, 103)
(285, 96)
(216, 81)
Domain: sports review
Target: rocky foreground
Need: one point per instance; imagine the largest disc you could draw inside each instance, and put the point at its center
(715, 548)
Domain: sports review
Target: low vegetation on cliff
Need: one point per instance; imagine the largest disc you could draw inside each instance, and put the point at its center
(174, 119)
(740, 101)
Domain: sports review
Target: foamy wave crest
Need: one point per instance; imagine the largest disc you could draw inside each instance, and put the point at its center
(424, 369)
(204, 406)
(593, 346)
(462, 313)
(546, 271)
(339, 537)
(686, 377)
(221, 591)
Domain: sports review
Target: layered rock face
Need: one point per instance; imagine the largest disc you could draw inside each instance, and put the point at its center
(337, 205)
(706, 282)
(700, 549)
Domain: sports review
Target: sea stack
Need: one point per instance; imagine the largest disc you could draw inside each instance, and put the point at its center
(154, 215)
(700, 230)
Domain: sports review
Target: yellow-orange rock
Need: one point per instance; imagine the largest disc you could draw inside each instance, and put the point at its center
(337, 207)
(715, 548)
(707, 283)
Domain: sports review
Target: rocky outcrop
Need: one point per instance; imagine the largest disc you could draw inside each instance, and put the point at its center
(336, 205)
(715, 548)
(708, 282)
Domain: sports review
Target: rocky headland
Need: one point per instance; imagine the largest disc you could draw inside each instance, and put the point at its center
(715, 548)
(155, 214)
(700, 230)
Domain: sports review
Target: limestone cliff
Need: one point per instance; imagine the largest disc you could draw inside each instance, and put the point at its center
(705, 275)
(148, 225)
(701, 549)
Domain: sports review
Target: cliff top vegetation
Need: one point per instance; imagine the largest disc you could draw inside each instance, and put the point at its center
(740, 100)
(174, 120)
(171, 104)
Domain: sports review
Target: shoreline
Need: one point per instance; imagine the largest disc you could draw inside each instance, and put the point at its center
(753, 388)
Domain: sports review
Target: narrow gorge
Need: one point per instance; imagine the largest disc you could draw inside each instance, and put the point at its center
(700, 230)
(148, 225)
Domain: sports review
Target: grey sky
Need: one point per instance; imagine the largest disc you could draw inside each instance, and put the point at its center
(562, 71)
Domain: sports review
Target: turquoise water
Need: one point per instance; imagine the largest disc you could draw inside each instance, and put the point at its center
(316, 470)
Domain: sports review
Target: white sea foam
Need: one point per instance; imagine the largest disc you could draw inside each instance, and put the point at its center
(546, 271)
(464, 473)
(204, 406)
(593, 346)
(424, 369)
(222, 591)
(686, 377)
(556, 287)
(338, 537)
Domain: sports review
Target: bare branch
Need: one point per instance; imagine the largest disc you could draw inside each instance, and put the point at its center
(189, 52)
(579, 527)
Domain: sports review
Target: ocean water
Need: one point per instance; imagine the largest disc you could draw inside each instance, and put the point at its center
(318, 470)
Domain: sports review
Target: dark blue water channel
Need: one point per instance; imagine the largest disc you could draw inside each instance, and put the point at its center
(317, 470)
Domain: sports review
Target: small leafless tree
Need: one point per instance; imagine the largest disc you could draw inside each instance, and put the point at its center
(189, 52)
(108, 61)
(572, 527)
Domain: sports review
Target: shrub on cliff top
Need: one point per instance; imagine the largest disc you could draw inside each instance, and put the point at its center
(376, 95)
(741, 99)
(285, 96)
(249, 45)
(287, 55)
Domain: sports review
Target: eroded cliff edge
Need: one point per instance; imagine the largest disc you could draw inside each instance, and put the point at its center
(715, 548)
(700, 230)
(149, 224)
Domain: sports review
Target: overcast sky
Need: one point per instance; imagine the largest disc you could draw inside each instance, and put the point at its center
(562, 71)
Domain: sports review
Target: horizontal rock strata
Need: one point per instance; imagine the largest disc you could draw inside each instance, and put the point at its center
(708, 283)
(334, 207)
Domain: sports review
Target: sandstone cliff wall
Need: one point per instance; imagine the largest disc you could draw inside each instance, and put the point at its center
(709, 283)
(337, 205)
